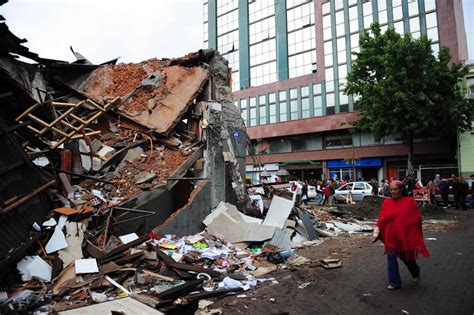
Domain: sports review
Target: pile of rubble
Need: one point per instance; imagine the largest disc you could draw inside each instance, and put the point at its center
(164, 272)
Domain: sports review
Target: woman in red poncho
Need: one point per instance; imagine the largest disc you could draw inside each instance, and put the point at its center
(399, 228)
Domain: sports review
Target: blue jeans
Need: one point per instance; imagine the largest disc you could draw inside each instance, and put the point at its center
(319, 199)
(393, 271)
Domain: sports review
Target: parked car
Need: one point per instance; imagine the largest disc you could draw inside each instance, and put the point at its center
(359, 190)
(311, 189)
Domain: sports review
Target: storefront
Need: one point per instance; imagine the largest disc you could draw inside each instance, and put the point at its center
(303, 170)
(361, 169)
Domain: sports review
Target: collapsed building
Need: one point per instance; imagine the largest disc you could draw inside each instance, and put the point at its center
(158, 142)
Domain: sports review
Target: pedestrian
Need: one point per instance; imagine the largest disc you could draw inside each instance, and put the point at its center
(409, 186)
(332, 191)
(293, 187)
(437, 180)
(375, 186)
(304, 194)
(431, 187)
(444, 191)
(319, 193)
(385, 187)
(463, 187)
(456, 192)
(399, 228)
(326, 192)
(298, 194)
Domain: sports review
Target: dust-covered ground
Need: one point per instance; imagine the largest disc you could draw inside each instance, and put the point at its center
(359, 286)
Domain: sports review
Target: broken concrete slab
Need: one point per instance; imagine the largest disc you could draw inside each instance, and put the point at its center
(308, 227)
(282, 239)
(127, 306)
(280, 209)
(233, 212)
(224, 226)
(159, 108)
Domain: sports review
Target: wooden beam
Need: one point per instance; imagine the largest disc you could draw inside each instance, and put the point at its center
(28, 197)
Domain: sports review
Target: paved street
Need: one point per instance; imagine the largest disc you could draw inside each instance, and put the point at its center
(358, 287)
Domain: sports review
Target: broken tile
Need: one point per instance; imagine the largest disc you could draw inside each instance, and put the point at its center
(128, 238)
(56, 242)
(86, 266)
(34, 267)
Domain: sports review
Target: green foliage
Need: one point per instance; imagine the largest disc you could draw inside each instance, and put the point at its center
(403, 88)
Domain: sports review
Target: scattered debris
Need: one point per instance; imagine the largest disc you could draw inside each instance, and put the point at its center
(330, 263)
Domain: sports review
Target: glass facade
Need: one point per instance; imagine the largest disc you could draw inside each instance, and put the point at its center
(342, 23)
(205, 16)
(228, 36)
(262, 42)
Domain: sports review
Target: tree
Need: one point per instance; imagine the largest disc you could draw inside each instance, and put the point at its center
(402, 88)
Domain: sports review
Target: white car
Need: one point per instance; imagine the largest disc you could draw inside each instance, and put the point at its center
(359, 191)
(311, 189)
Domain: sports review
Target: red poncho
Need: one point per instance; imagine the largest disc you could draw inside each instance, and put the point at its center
(400, 228)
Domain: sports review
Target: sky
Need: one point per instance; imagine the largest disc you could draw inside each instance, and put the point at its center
(102, 30)
(137, 30)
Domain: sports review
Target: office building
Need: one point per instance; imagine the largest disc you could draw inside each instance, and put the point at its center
(290, 60)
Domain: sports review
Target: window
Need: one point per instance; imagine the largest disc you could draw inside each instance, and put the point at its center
(294, 104)
(432, 27)
(367, 10)
(228, 36)
(430, 5)
(413, 8)
(317, 100)
(301, 38)
(283, 108)
(346, 187)
(305, 107)
(253, 111)
(338, 140)
(262, 109)
(359, 186)
(272, 108)
(298, 144)
(262, 42)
